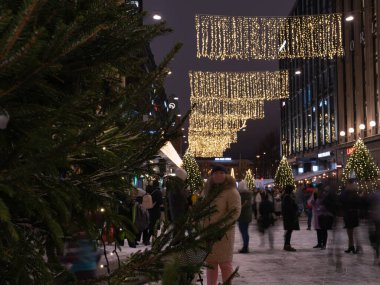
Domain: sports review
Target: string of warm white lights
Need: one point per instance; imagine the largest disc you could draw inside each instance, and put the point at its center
(268, 38)
(238, 87)
(208, 146)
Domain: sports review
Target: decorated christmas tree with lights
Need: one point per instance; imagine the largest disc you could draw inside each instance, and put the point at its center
(194, 178)
(284, 175)
(249, 179)
(361, 166)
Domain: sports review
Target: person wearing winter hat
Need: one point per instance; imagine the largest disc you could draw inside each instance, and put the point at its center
(218, 167)
(177, 195)
(229, 199)
(245, 215)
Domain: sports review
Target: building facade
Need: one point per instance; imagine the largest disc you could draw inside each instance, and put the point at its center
(333, 102)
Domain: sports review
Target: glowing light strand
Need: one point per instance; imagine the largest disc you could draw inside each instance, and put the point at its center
(246, 38)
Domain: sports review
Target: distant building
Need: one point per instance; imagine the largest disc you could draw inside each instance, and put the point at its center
(334, 102)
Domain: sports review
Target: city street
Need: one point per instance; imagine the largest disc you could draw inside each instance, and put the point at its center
(307, 265)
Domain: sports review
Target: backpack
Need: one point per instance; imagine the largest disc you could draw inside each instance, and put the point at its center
(147, 201)
(142, 218)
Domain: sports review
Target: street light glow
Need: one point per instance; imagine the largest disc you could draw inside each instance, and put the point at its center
(349, 18)
(351, 130)
(157, 17)
(298, 72)
(372, 123)
(342, 133)
(362, 126)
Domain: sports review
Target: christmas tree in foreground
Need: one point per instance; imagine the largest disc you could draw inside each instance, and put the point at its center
(77, 94)
(361, 164)
(249, 179)
(194, 177)
(284, 175)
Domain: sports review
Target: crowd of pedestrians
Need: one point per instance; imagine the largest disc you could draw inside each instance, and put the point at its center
(321, 203)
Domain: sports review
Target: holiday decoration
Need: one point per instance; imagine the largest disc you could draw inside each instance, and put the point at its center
(249, 179)
(284, 175)
(269, 38)
(232, 172)
(194, 178)
(361, 166)
(234, 90)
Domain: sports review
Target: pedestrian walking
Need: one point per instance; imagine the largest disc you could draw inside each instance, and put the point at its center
(245, 215)
(154, 212)
(266, 219)
(322, 217)
(222, 251)
(289, 215)
(350, 206)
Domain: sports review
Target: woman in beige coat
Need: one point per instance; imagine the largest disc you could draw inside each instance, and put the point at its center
(222, 251)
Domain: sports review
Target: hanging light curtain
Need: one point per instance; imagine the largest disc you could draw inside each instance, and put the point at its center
(269, 38)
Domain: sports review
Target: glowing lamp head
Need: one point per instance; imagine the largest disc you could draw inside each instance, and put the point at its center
(157, 17)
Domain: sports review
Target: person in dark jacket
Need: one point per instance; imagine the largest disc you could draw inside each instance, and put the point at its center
(245, 214)
(155, 212)
(350, 205)
(266, 219)
(178, 198)
(290, 215)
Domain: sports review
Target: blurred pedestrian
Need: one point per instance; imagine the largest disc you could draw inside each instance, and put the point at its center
(350, 206)
(178, 199)
(322, 217)
(289, 215)
(266, 219)
(154, 212)
(245, 215)
(222, 251)
(83, 257)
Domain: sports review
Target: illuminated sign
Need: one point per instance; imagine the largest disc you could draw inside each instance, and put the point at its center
(349, 150)
(223, 158)
(324, 154)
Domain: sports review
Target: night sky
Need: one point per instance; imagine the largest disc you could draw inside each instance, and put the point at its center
(179, 16)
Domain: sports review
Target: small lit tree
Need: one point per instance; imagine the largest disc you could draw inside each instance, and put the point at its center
(232, 172)
(249, 179)
(194, 177)
(284, 175)
(362, 165)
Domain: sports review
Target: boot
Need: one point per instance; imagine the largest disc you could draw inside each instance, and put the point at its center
(244, 250)
(350, 249)
(289, 248)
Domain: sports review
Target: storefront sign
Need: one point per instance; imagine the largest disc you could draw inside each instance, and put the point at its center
(349, 150)
(324, 154)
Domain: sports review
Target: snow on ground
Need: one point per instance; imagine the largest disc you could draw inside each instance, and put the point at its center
(305, 266)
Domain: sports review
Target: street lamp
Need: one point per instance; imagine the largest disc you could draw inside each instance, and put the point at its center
(349, 18)
(351, 130)
(372, 124)
(342, 133)
(362, 126)
(157, 17)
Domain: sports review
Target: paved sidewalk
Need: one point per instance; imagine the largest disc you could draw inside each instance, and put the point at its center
(306, 266)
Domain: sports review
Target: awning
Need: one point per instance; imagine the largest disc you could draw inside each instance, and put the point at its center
(169, 152)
